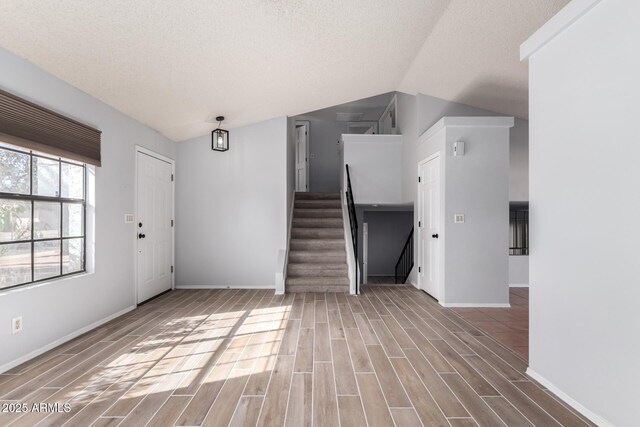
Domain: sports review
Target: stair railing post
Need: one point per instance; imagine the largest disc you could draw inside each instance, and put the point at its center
(353, 223)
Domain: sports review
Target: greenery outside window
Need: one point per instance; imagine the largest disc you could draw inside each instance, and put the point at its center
(42, 217)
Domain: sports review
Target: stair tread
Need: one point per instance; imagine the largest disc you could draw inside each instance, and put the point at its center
(318, 219)
(316, 240)
(311, 270)
(316, 244)
(298, 226)
(336, 231)
(317, 196)
(317, 213)
(318, 209)
(319, 252)
(310, 265)
(329, 279)
(318, 222)
(317, 204)
(307, 230)
(321, 289)
(317, 273)
(331, 233)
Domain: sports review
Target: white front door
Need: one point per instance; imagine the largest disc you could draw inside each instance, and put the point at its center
(301, 158)
(429, 226)
(153, 227)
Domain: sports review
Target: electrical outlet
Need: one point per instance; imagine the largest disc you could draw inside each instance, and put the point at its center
(16, 325)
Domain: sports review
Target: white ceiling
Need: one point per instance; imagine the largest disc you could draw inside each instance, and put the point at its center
(472, 55)
(175, 65)
(370, 109)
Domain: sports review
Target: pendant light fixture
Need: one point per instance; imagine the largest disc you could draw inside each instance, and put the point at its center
(220, 137)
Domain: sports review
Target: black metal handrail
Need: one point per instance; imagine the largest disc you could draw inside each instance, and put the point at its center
(353, 223)
(405, 262)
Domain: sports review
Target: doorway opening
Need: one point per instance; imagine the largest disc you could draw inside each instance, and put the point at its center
(302, 156)
(384, 234)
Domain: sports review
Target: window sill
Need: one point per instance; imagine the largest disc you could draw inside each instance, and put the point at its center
(46, 282)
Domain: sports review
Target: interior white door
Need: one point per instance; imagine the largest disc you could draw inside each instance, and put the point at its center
(301, 159)
(429, 226)
(154, 222)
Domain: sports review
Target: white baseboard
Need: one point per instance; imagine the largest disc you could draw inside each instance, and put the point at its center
(69, 337)
(473, 304)
(222, 287)
(598, 420)
(516, 285)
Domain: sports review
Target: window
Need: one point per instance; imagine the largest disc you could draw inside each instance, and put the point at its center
(519, 229)
(42, 217)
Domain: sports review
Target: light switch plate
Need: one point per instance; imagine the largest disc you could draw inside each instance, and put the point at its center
(128, 218)
(458, 218)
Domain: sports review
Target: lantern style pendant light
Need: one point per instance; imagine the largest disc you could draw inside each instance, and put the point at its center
(220, 137)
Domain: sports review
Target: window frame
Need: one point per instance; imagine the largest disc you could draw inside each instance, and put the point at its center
(56, 199)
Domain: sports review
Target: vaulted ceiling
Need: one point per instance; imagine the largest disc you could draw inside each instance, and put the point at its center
(175, 65)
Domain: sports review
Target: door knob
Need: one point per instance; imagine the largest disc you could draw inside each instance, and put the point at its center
(435, 236)
(141, 236)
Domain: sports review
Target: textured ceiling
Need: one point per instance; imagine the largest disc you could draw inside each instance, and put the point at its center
(370, 109)
(174, 65)
(472, 55)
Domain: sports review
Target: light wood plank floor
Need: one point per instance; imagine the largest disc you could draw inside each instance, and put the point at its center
(391, 356)
(509, 326)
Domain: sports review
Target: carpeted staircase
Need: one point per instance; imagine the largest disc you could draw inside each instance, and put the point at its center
(317, 254)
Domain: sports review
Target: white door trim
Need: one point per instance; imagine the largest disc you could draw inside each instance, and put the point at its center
(140, 149)
(441, 272)
(365, 252)
(307, 125)
(428, 159)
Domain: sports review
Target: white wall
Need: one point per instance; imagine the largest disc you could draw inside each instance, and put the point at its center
(231, 212)
(519, 162)
(476, 252)
(422, 111)
(585, 198)
(53, 311)
(375, 167)
(407, 123)
(519, 270)
(418, 113)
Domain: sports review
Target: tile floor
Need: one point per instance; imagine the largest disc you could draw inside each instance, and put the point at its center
(509, 326)
(380, 280)
(389, 357)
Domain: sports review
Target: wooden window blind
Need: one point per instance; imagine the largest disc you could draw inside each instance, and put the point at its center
(31, 126)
